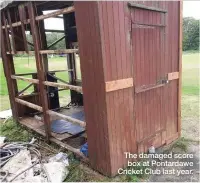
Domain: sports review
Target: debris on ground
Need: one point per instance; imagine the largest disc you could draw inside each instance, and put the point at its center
(5, 114)
(84, 149)
(21, 161)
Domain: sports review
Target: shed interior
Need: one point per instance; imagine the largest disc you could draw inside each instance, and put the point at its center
(17, 23)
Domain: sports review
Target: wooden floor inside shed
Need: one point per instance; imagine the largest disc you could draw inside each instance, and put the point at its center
(38, 126)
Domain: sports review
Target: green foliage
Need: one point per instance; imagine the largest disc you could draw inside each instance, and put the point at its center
(190, 34)
(50, 37)
(13, 132)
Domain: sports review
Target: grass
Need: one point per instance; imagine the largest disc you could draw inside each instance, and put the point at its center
(190, 75)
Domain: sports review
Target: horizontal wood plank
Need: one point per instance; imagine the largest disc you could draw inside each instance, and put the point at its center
(144, 7)
(119, 84)
(28, 104)
(172, 76)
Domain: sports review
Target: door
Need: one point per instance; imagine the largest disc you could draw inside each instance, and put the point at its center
(150, 76)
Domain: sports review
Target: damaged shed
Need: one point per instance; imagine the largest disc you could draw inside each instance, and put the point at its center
(129, 94)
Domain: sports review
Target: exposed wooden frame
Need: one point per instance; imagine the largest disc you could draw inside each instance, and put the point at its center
(180, 65)
(20, 52)
(29, 104)
(6, 32)
(144, 7)
(41, 72)
(8, 66)
(11, 31)
(35, 81)
(70, 119)
(56, 13)
(59, 51)
(62, 85)
(119, 84)
(42, 17)
(31, 73)
(21, 10)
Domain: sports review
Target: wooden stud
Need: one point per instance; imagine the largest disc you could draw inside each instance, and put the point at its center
(29, 104)
(6, 33)
(119, 84)
(56, 13)
(59, 51)
(22, 16)
(11, 30)
(20, 52)
(62, 85)
(35, 81)
(40, 67)
(8, 66)
(42, 17)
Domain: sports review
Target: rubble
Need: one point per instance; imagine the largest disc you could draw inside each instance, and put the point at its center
(22, 162)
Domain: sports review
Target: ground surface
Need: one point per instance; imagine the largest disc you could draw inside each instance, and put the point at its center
(78, 172)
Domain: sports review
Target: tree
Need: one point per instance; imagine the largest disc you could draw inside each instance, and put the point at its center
(190, 34)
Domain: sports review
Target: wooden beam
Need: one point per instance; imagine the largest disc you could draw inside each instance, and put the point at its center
(26, 88)
(172, 76)
(144, 7)
(7, 39)
(58, 51)
(28, 104)
(70, 119)
(8, 66)
(20, 53)
(180, 65)
(22, 16)
(11, 30)
(119, 84)
(42, 17)
(62, 85)
(35, 81)
(40, 67)
(43, 40)
(56, 13)
(55, 42)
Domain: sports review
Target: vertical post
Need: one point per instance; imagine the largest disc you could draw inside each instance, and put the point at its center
(11, 30)
(180, 65)
(9, 70)
(43, 41)
(40, 67)
(22, 16)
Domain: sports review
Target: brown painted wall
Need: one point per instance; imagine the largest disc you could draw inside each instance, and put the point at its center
(110, 49)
